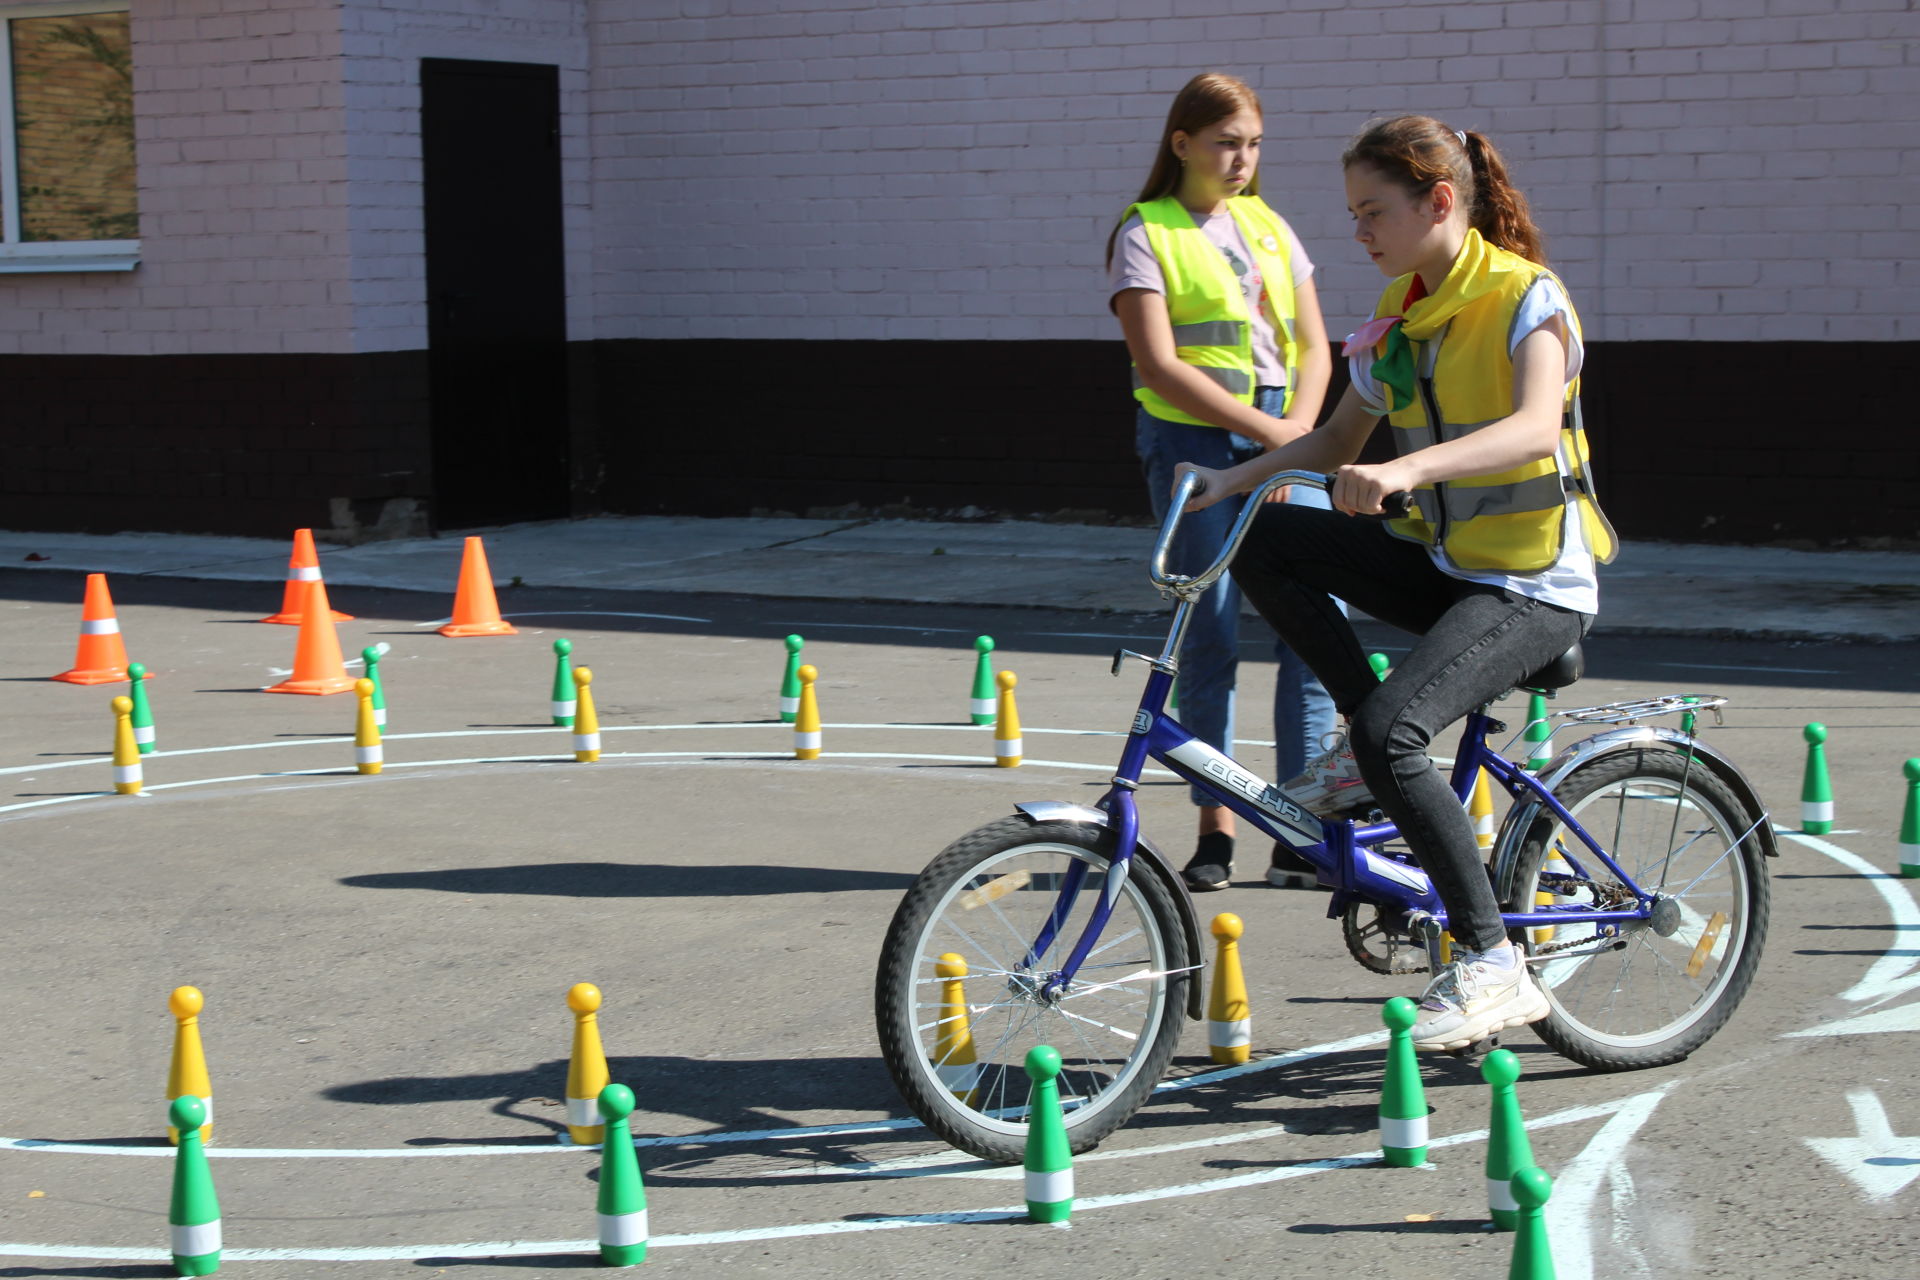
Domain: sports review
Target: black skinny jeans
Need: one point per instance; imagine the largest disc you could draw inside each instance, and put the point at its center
(1476, 642)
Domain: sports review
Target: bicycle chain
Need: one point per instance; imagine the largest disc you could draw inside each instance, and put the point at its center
(1604, 892)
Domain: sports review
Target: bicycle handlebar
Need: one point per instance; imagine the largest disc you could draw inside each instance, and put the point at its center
(1191, 485)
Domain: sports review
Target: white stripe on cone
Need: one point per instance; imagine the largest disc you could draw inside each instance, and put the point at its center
(1500, 1196)
(143, 733)
(305, 573)
(586, 742)
(1230, 1035)
(99, 626)
(380, 717)
(623, 1228)
(1403, 1135)
(984, 706)
(584, 1113)
(790, 706)
(368, 755)
(1003, 747)
(566, 708)
(806, 741)
(1816, 811)
(197, 1240)
(126, 773)
(1910, 855)
(1049, 1188)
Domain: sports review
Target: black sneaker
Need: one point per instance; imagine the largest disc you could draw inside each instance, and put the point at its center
(1288, 870)
(1211, 866)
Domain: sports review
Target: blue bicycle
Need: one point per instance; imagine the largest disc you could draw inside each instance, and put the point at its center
(1630, 868)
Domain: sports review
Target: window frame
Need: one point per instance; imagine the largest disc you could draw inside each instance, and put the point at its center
(21, 256)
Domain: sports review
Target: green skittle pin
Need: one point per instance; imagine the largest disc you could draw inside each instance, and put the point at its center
(1403, 1099)
(790, 682)
(193, 1218)
(985, 696)
(1816, 790)
(566, 700)
(1049, 1162)
(1508, 1150)
(142, 718)
(623, 1198)
(371, 656)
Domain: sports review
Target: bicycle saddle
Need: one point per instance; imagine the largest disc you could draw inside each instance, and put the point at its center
(1559, 673)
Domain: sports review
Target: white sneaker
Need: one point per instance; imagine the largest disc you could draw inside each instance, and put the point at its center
(1332, 784)
(1472, 999)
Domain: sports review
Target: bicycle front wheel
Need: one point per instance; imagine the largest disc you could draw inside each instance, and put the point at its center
(1647, 993)
(960, 997)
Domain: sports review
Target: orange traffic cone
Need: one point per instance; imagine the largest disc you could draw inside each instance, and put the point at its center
(317, 667)
(102, 655)
(303, 566)
(475, 611)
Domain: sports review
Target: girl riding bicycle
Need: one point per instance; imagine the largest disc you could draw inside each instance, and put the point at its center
(1230, 354)
(1473, 357)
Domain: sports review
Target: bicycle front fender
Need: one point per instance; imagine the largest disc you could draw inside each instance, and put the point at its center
(1513, 832)
(1156, 861)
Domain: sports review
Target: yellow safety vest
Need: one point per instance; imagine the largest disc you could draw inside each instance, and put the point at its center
(1206, 303)
(1510, 521)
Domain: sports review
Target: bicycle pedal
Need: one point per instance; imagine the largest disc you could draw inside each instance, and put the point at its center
(1473, 1053)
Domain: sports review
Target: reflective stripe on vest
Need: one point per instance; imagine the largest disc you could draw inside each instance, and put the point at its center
(1510, 521)
(1206, 304)
(1233, 381)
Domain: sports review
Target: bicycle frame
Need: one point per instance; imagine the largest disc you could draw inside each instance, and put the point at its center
(1345, 854)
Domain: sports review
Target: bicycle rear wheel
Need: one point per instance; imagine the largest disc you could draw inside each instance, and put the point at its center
(1648, 993)
(958, 1004)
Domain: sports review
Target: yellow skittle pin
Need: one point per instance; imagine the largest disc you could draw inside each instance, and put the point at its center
(1229, 1020)
(587, 1068)
(586, 721)
(126, 749)
(806, 722)
(1480, 809)
(187, 1074)
(953, 1056)
(368, 756)
(1007, 747)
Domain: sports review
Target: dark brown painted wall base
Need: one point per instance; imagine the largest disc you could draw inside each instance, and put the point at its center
(1722, 442)
(232, 444)
(1693, 441)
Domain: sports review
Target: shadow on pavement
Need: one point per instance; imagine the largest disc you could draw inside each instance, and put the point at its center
(635, 880)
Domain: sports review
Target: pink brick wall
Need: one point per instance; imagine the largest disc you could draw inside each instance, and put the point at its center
(1705, 169)
(240, 148)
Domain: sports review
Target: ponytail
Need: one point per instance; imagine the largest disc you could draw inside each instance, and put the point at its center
(1500, 212)
(1416, 152)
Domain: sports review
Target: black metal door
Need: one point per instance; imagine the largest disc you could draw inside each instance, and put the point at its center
(496, 289)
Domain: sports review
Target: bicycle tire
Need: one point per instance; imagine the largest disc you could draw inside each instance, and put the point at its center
(1699, 813)
(1108, 1076)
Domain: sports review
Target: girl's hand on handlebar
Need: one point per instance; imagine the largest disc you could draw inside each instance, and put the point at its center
(1360, 488)
(1213, 487)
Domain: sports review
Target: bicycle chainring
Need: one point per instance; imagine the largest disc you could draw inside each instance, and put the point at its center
(1376, 945)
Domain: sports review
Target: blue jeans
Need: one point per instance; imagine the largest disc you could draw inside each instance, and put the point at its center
(1210, 653)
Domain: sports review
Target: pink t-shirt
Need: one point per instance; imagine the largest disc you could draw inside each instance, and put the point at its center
(1135, 267)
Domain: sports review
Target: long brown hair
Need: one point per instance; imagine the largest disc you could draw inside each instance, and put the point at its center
(1208, 98)
(1415, 152)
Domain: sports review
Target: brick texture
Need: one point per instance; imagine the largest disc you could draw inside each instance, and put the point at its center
(817, 168)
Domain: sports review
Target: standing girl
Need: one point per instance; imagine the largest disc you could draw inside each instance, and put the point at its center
(1230, 358)
(1473, 356)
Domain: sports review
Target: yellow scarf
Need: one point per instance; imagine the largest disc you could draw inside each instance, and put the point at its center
(1422, 316)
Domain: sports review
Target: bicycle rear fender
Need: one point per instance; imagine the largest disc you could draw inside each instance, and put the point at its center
(1513, 832)
(1149, 853)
